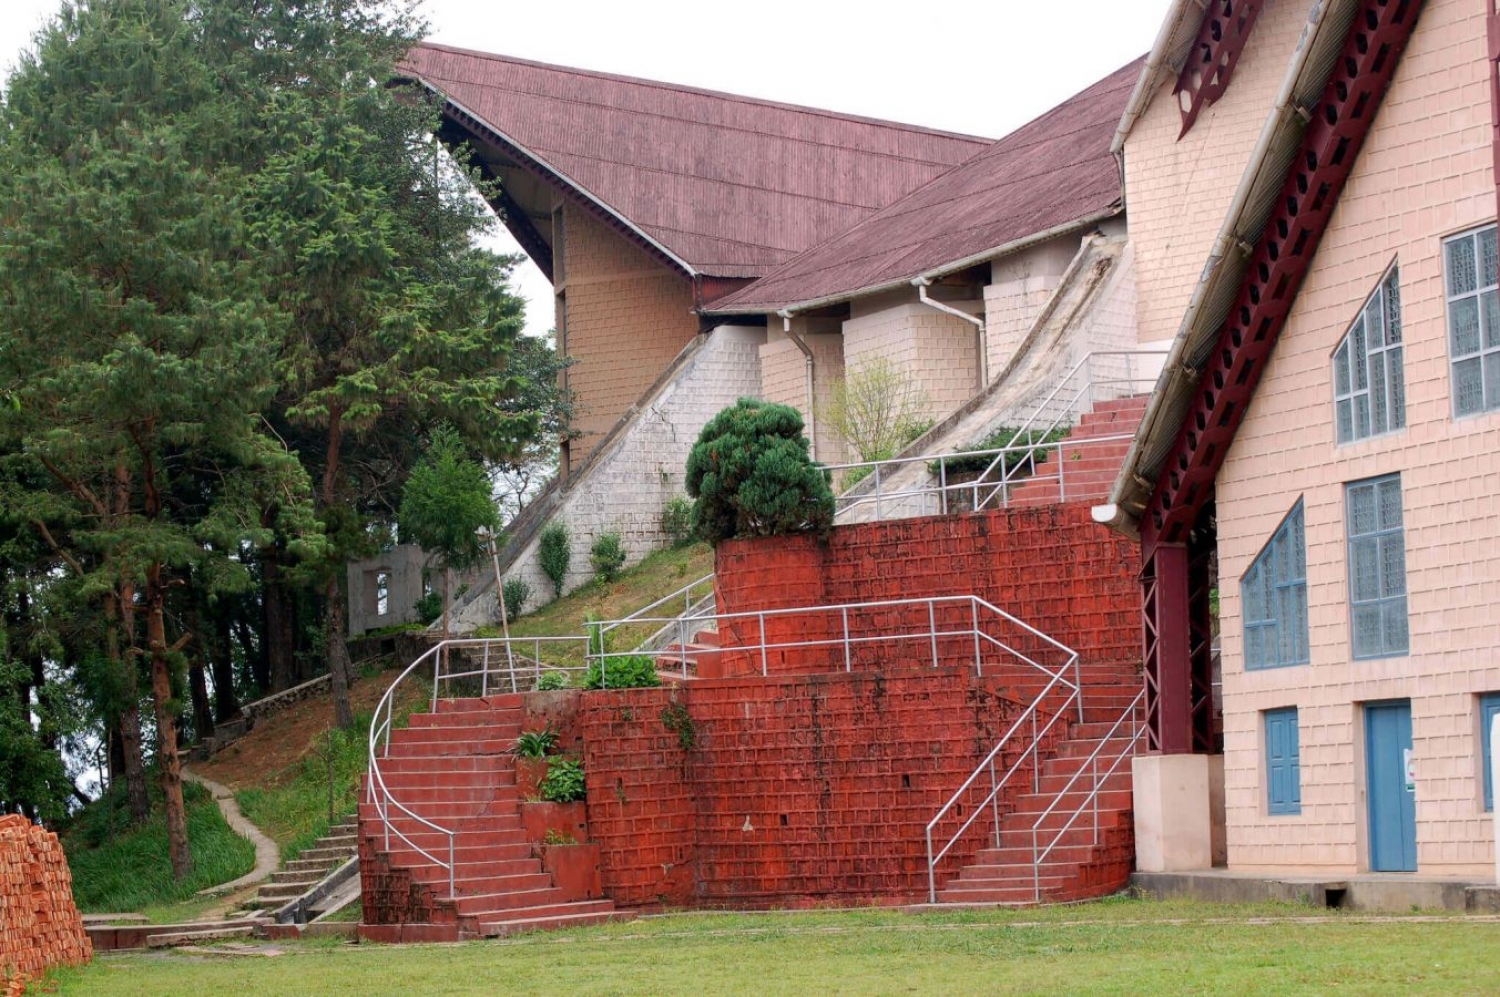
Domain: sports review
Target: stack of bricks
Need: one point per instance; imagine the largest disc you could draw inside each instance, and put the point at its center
(41, 925)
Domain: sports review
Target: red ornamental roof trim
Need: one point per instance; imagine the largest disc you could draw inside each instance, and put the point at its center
(1321, 165)
(1221, 39)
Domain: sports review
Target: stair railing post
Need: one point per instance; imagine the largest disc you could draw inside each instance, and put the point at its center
(1036, 765)
(451, 891)
(943, 484)
(932, 628)
(931, 870)
(436, 661)
(682, 643)
(484, 673)
(878, 513)
(764, 667)
(848, 663)
(510, 661)
(974, 623)
(1095, 767)
(994, 802)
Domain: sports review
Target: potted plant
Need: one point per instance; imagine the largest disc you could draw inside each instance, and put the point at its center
(560, 807)
(531, 751)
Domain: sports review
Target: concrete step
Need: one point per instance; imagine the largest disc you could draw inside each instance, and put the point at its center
(487, 905)
(514, 915)
(170, 939)
(500, 929)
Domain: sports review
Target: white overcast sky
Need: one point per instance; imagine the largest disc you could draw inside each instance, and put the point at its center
(983, 67)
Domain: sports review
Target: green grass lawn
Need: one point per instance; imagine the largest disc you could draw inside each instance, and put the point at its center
(1112, 947)
(118, 868)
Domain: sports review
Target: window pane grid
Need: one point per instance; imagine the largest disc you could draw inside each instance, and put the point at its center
(1368, 373)
(1377, 569)
(1473, 321)
(1273, 595)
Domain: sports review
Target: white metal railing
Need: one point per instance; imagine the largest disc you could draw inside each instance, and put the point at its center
(696, 599)
(1091, 798)
(497, 650)
(1030, 753)
(1101, 375)
(953, 630)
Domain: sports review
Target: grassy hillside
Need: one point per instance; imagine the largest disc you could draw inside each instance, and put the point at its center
(117, 868)
(660, 574)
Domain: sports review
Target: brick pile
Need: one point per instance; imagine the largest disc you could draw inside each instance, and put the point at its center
(42, 927)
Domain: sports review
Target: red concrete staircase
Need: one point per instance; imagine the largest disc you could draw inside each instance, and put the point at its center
(1088, 469)
(455, 768)
(1081, 863)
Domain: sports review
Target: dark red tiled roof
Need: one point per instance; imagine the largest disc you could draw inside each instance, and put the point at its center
(1050, 172)
(731, 185)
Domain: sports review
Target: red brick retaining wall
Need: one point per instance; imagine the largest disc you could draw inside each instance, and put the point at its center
(795, 787)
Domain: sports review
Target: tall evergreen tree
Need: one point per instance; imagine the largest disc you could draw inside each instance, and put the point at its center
(397, 318)
(138, 339)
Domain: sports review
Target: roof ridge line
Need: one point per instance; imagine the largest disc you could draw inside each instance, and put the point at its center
(719, 94)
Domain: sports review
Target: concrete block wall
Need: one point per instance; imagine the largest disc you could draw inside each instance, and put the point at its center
(935, 350)
(626, 318)
(629, 482)
(1425, 172)
(1019, 288)
(784, 380)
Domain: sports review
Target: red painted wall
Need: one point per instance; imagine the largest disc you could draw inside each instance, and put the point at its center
(816, 787)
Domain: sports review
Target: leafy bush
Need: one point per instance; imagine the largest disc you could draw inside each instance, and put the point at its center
(999, 438)
(876, 409)
(607, 556)
(677, 521)
(752, 477)
(564, 782)
(516, 592)
(429, 607)
(552, 679)
(535, 743)
(555, 549)
(627, 671)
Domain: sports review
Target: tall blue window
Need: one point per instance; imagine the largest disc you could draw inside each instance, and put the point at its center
(1377, 568)
(1274, 599)
(1283, 762)
(1369, 380)
(1489, 705)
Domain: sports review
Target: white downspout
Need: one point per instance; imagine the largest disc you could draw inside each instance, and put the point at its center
(812, 418)
(981, 347)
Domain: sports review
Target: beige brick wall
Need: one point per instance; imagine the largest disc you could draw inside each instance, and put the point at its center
(1020, 286)
(627, 318)
(783, 376)
(1425, 172)
(1177, 191)
(936, 350)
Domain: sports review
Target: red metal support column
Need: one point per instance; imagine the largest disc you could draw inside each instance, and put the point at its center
(1168, 650)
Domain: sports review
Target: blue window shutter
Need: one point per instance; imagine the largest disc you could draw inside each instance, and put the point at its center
(1489, 705)
(1283, 762)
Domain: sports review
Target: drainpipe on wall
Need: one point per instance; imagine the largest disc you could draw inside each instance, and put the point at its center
(812, 419)
(981, 347)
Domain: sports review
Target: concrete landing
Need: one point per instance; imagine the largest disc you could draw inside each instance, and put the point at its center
(1388, 892)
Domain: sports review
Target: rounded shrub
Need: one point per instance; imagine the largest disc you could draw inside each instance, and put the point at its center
(516, 592)
(751, 475)
(607, 556)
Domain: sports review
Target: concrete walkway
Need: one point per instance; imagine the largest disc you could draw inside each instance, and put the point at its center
(267, 852)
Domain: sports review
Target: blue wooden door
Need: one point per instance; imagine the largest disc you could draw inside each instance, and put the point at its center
(1393, 798)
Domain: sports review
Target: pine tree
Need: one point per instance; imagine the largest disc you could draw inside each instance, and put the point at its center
(139, 339)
